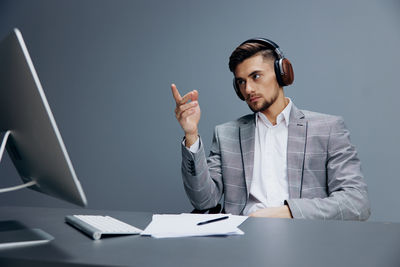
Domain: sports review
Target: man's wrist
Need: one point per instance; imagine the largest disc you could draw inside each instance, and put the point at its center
(190, 139)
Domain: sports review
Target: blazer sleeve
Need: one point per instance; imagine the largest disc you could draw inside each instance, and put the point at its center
(347, 192)
(202, 177)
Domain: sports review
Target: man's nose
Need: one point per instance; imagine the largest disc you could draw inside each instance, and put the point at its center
(249, 88)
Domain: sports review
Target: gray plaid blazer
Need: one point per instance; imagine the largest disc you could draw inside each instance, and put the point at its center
(324, 172)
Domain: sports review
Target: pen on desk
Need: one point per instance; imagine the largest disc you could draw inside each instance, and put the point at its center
(213, 220)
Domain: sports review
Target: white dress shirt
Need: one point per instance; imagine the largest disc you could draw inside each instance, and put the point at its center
(269, 186)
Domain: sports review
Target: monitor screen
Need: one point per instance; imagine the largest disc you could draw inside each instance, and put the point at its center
(34, 142)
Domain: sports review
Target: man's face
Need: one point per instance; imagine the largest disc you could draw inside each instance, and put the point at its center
(256, 79)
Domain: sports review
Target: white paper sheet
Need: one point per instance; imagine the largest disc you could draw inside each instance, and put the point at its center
(183, 225)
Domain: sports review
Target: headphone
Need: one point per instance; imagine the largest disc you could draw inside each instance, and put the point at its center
(283, 68)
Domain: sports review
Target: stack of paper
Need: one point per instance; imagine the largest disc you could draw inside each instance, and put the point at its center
(182, 225)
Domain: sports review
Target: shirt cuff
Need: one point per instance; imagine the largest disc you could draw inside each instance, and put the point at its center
(193, 148)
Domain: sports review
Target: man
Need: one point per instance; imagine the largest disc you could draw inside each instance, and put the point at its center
(277, 162)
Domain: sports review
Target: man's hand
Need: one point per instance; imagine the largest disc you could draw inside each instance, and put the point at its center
(275, 212)
(187, 113)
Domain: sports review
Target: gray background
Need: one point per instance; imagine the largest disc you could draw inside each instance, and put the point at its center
(106, 68)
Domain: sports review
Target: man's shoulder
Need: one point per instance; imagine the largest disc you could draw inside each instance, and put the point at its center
(311, 116)
(316, 117)
(229, 131)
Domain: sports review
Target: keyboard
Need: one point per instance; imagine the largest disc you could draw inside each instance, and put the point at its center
(96, 225)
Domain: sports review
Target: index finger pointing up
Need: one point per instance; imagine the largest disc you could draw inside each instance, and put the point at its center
(175, 93)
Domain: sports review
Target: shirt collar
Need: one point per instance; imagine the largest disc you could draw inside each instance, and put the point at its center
(284, 115)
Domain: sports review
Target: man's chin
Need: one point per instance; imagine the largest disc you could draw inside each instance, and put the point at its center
(259, 108)
(253, 109)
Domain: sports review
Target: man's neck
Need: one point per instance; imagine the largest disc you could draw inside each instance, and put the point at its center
(276, 108)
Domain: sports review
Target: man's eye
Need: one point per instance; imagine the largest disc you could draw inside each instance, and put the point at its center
(256, 76)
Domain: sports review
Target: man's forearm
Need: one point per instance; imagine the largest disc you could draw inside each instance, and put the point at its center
(349, 204)
(201, 189)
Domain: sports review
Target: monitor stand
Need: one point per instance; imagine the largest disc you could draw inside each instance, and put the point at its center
(4, 138)
(12, 233)
(21, 236)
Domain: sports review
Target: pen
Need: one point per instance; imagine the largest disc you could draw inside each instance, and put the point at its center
(213, 220)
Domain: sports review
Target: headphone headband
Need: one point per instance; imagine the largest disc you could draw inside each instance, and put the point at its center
(267, 43)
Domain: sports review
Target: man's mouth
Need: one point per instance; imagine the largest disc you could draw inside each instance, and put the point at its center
(254, 98)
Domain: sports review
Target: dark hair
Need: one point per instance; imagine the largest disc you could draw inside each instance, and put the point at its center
(247, 50)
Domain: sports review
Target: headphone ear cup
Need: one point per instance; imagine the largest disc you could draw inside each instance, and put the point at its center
(286, 68)
(288, 74)
(237, 90)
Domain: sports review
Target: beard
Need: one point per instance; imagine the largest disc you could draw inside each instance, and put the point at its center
(264, 105)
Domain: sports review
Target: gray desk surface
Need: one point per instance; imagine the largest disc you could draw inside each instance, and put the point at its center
(267, 242)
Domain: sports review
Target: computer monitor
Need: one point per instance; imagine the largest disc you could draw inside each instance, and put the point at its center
(28, 129)
(34, 143)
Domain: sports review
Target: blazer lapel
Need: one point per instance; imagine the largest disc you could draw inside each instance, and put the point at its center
(297, 137)
(246, 137)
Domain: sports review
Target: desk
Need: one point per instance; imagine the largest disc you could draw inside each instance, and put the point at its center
(267, 242)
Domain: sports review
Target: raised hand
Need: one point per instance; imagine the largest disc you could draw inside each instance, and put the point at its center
(187, 113)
